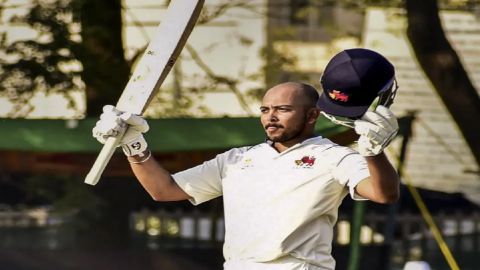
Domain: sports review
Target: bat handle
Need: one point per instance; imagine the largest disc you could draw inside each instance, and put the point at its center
(103, 158)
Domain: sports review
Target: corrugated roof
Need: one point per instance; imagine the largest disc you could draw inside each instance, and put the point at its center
(438, 157)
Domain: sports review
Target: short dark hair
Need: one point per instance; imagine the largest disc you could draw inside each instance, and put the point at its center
(308, 91)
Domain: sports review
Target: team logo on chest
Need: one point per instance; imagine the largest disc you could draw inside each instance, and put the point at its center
(305, 162)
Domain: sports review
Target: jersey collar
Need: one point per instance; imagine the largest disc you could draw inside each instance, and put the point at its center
(310, 140)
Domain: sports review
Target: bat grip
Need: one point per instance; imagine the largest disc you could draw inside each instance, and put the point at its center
(103, 158)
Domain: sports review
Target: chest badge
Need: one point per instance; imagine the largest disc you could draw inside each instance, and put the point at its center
(246, 163)
(305, 162)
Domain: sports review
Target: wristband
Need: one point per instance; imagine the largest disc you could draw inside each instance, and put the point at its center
(149, 155)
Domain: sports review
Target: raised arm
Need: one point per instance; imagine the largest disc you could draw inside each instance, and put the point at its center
(383, 184)
(157, 181)
(377, 129)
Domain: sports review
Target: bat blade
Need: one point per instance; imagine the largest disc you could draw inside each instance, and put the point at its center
(150, 72)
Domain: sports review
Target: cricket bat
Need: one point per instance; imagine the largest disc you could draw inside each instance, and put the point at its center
(150, 72)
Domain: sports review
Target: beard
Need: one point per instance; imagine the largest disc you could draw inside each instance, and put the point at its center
(287, 135)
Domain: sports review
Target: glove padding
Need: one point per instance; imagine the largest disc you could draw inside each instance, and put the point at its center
(112, 122)
(376, 129)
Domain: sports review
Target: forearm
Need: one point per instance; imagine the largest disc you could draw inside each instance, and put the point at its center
(157, 181)
(384, 180)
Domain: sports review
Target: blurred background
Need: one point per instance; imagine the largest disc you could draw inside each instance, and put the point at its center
(62, 60)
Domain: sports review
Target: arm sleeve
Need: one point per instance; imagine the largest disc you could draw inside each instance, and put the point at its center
(350, 170)
(204, 182)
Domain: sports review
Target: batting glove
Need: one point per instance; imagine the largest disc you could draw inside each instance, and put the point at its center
(111, 124)
(376, 129)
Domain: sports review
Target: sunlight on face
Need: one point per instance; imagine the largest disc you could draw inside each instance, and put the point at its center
(283, 113)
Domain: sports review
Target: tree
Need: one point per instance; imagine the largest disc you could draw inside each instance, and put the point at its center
(74, 48)
(43, 63)
(444, 69)
(105, 70)
(93, 41)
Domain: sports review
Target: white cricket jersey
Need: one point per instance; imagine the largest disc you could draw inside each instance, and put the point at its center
(280, 208)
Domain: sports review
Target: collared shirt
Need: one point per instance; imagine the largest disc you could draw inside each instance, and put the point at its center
(278, 204)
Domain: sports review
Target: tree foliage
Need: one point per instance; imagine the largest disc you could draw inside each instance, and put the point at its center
(45, 62)
(105, 70)
(93, 41)
(444, 69)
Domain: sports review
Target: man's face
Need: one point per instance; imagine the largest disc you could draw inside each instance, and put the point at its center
(283, 114)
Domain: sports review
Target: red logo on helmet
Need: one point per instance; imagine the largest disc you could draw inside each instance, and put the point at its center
(337, 95)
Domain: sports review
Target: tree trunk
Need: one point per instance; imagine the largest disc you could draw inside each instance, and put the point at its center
(443, 67)
(105, 70)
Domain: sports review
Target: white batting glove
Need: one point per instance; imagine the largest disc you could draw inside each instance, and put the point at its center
(113, 121)
(376, 129)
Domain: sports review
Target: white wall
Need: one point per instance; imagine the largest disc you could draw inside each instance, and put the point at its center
(217, 44)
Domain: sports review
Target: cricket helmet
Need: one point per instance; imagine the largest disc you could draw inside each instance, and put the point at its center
(353, 79)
